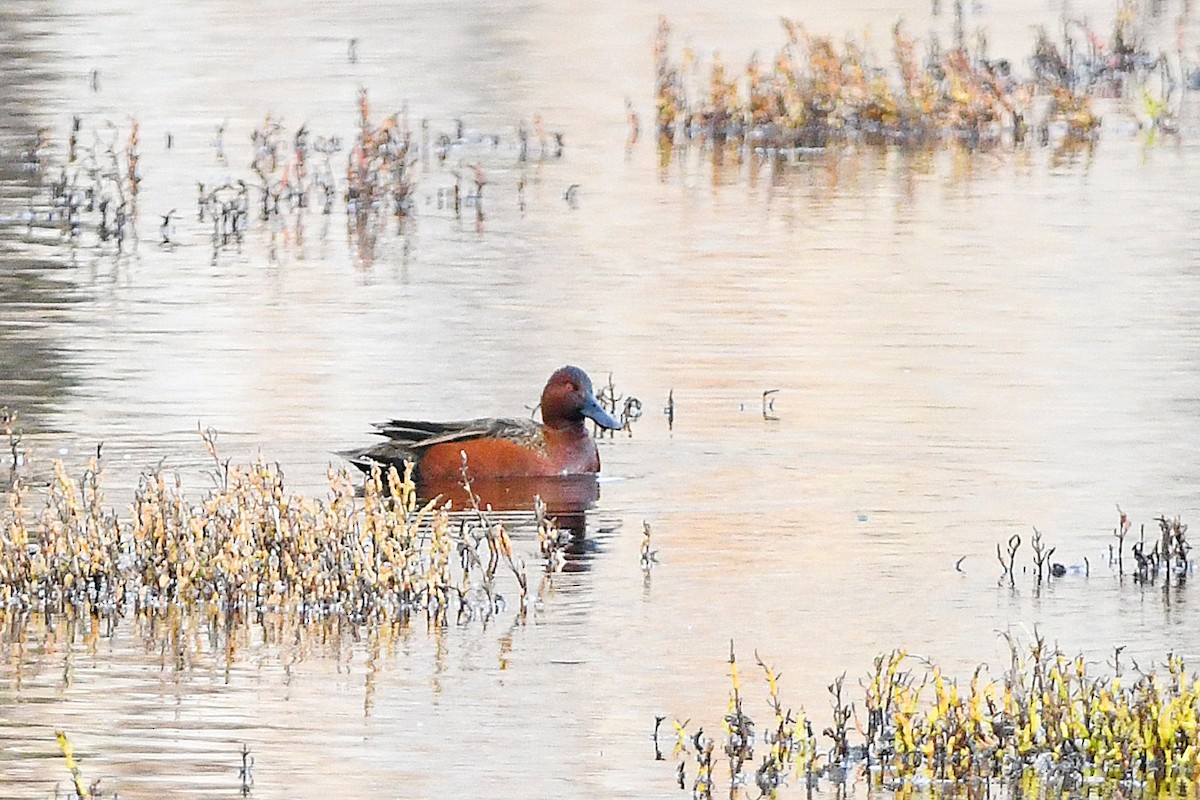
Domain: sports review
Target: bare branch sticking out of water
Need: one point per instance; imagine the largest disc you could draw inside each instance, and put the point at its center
(220, 472)
(8, 419)
(1041, 557)
(96, 188)
(1121, 532)
(648, 557)
(246, 773)
(768, 404)
(1175, 549)
(499, 545)
(627, 410)
(551, 539)
(1009, 571)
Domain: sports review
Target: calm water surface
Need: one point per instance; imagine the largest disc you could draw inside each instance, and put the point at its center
(965, 346)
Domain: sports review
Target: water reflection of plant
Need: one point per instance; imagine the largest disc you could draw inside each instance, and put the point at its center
(1048, 726)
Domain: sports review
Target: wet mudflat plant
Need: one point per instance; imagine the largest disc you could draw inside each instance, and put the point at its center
(1050, 725)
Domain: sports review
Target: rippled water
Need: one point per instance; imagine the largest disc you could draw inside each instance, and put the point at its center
(965, 345)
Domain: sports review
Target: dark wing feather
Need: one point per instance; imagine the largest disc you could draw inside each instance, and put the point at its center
(408, 439)
(420, 435)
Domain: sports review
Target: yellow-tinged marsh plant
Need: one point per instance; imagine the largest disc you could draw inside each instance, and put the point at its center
(1048, 724)
(248, 545)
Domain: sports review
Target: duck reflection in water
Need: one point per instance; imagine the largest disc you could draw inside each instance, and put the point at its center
(509, 461)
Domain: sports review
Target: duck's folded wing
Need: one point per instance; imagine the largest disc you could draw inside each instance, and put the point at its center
(421, 435)
(406, 440)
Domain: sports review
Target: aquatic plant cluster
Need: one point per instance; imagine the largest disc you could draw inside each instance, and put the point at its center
(1166, 557)
(384, 163)
(251, 546)
(816, 92)
(1048, 726)
(95, 189)
(97, 186)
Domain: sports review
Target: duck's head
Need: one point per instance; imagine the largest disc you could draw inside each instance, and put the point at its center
(568, 398)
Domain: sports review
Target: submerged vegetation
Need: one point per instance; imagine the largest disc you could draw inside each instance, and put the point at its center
(92, 187)
(1166, 557)
(816, 92)
(380, 171)
(95, 188)
(1050, 725)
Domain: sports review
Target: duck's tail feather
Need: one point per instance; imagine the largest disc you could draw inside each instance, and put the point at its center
(384, 454)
